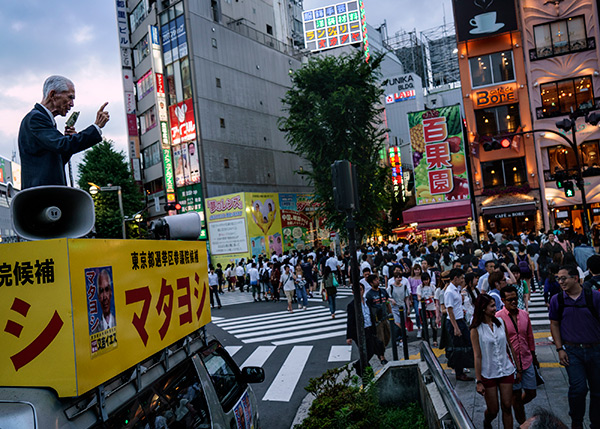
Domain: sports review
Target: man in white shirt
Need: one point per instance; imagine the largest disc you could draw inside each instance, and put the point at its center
(254, 276)
(366, 286)
(240, 274)
(482, 284)
(332, 262)
(457, 328)
(213, 284)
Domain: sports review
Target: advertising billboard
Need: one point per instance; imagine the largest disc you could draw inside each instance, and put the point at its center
(332, 26)
(183, 123)
(475, 19)
(438, 155)
(264, 223)
(296, 221)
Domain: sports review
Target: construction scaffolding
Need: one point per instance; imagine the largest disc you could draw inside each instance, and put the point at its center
(431, 54)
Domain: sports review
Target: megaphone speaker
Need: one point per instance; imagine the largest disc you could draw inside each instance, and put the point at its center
(186, 226)
(46, 212)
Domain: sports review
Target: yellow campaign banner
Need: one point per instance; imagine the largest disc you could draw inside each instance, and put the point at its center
(126, 300)
(264, 222)
(36, 328)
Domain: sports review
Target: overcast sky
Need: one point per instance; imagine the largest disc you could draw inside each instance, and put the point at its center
(78, 39)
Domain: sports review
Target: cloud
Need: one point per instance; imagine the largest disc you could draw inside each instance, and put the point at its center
(17, 26)
(83, 35)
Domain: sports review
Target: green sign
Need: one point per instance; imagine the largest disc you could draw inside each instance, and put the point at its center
(168, 166)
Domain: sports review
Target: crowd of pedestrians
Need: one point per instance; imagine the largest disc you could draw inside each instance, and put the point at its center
(476, 298)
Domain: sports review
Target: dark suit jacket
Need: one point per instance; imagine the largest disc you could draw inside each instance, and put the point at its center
(44, 150)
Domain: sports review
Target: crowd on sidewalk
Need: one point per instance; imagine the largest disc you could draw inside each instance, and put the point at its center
(476, 298)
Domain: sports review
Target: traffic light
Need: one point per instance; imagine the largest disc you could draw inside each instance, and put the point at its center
(592, 118)
(560, 177)
(495, 144)
(345, 186)
(569, 189)
(565, 124)
(172, 206)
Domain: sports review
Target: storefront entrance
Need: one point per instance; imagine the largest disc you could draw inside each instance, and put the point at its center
(510, 219)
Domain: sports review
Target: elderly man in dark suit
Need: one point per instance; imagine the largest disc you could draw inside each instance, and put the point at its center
(44, 150)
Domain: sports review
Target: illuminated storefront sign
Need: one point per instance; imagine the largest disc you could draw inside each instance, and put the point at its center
(332, 26)
(492, 97)
(396, 97)
(396, 164)
(401, 88)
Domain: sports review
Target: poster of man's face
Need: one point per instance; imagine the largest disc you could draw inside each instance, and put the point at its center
(105, 293)
(100, 296)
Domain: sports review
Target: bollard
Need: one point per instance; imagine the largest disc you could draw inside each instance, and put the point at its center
(394, 333)
(403, 329)
(425, 330)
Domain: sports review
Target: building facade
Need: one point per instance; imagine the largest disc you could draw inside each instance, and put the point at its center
(561, 56)
(203, 83)
(504, 171)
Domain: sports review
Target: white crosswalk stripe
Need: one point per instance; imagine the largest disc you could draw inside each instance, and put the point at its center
(259, 356)
(341, 293)
(340, 354)
(281, 327)
(282, 388)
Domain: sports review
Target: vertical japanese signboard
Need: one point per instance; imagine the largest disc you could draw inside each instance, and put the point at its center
(438, 155)
(296, 223)
(396, 165)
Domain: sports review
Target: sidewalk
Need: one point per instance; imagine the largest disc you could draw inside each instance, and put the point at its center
(552, 395)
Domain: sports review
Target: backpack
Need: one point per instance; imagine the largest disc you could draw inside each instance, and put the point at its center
(589, 304)
(264, 276)
(523, 264)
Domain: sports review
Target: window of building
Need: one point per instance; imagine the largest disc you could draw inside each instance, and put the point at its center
(141, 50)
(226, 163)
(154, 186)
(218, 83)
(563, 157)
(138, 14)
(269, 29)
(148, 120)
(492, 69)
(222, 122)
(151, 155)
(170, 87)
(504, 172)
(565, 95)
(186, 78)
(497, 120)
(213, 41)
(560, 37)
(145, 85)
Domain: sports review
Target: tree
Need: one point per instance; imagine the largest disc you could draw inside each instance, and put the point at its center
(103, 166)
(334, 112)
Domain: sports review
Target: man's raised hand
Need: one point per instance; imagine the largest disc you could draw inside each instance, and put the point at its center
(102, 117)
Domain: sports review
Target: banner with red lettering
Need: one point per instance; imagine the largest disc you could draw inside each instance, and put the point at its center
(183, 124)
(438, 155)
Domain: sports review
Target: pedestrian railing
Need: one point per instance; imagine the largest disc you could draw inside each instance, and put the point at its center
(455, 407)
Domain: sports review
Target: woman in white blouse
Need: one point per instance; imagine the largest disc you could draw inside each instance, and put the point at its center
(493, 366)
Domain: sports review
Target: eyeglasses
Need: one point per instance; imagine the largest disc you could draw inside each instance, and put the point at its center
(511, 299)
(562, 279)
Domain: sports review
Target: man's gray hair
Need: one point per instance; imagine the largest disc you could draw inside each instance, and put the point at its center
(57, 83)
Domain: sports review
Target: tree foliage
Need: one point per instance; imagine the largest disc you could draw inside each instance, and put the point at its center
(334, 113)
(104, 166)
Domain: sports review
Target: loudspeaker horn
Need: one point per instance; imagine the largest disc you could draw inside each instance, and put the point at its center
(46, 212)
(186, 226)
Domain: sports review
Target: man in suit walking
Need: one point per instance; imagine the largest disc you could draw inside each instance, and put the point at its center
(44, 150)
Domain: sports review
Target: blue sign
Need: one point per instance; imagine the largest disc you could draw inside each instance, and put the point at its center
(166, 43)
(154, 34)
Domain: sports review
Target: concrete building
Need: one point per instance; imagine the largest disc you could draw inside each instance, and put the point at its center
(561, 56)
(506, 185)
(203, 82)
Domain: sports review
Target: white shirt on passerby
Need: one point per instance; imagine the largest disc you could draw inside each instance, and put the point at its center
(333, 263)
(213, 279)
(495, 362)
(398, 293)
(253, 273)
(363, 265)
(427, 293)
(287, 281)
(483, 284)
(366, 285)
(453, 299)
(239, 271)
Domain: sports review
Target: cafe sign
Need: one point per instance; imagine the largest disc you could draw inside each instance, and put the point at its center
(495, 96)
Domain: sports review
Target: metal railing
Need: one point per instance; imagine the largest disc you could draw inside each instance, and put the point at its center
(455, 407)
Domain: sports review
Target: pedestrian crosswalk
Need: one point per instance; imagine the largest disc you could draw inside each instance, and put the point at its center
(281, 327)
(290, 361)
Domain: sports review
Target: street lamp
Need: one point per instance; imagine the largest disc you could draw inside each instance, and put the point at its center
(94, 189)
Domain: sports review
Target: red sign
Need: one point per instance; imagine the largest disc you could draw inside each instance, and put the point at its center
(132, 124)
(160, 84)
(183, 124)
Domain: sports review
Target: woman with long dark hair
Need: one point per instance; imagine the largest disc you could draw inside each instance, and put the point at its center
(493, 366)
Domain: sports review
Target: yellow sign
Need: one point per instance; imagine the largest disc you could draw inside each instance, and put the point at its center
(96, 306)
(499, 95)
(264, 221)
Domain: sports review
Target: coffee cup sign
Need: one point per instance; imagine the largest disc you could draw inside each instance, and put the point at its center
(485, 23)
(501, 95)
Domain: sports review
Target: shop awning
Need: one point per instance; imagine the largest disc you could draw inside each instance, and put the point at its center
(442, 224)
(510, 210)
(442, 215)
